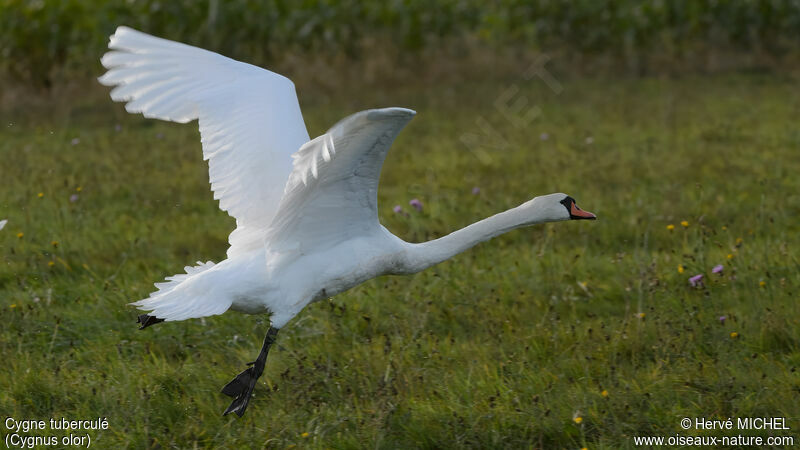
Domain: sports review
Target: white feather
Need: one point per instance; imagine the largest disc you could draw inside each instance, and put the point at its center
(306, 210)
(250, 120)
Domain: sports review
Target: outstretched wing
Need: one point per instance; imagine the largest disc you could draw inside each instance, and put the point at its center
(332, 192)
(250, 119)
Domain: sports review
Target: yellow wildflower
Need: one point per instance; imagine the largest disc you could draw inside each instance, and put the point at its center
(578, 419)
(680, 268)
(20, 234)
(734, 335)
(78, 189)
(304, 434)
(724, 228)
(684, 223)
(730, 256)
(762, 283)
(40, 195)
(670, 227)
(12, 306)
(739, 241)
(51, 263)
(604, 393)
(54, 243)
(641, 315)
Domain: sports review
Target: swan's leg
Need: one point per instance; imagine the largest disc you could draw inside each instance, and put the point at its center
(146, 320)
(242, 386)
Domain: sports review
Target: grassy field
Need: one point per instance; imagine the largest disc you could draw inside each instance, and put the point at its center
(567, 335)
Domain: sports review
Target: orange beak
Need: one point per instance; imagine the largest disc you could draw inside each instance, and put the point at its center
(578, 214)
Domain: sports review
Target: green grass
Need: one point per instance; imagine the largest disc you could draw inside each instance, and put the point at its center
(503, 346)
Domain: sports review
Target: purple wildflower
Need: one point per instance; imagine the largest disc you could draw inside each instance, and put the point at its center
(73, 198)
(75, 141)
(695, 280)
(476, 190)
(544, 136)
(397, 209)
(722, 319)
(416, 204)
(717, 269)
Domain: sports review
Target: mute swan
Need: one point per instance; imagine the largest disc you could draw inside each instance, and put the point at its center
(306, 210)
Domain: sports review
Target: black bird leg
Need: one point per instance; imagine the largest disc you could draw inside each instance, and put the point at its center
(146, 320)
(242, 386)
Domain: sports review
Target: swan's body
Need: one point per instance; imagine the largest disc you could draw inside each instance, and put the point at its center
(261, 281)
(307, 229)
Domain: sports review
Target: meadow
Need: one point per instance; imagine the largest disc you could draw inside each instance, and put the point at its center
(567, 335)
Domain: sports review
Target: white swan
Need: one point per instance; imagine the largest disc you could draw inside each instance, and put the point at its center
(305, 230)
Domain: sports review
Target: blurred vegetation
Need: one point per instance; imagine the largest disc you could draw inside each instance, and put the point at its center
(39, 38)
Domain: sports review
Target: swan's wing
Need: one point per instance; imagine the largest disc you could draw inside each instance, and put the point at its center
(332, 193)
(250, 120)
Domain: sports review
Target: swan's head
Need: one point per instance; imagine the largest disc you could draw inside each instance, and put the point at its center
(556, 207)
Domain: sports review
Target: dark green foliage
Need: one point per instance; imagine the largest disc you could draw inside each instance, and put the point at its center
(38, 37)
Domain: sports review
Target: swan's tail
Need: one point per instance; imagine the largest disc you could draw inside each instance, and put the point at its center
(185, 296)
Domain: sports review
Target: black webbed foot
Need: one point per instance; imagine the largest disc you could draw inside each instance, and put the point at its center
(241, 388)
(235, 386)
(146, 320)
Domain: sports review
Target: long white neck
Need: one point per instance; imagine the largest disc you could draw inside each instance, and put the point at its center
(423, 255)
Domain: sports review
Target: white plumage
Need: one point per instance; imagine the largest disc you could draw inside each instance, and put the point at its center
(306, 210)
(250, 120)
